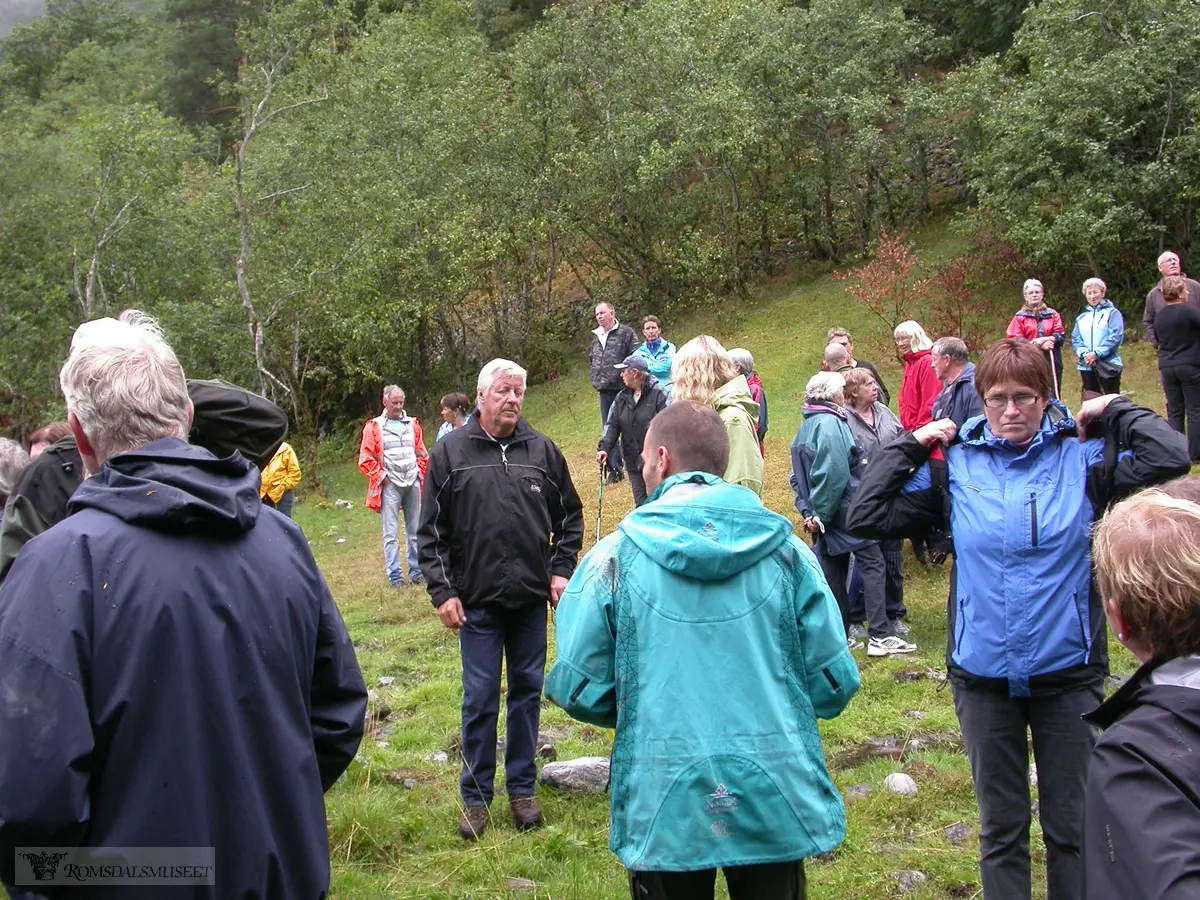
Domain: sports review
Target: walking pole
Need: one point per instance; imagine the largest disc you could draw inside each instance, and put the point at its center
(600, 503)
(1054, 374)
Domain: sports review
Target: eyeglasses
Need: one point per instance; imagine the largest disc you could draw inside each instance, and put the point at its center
(1023, 401)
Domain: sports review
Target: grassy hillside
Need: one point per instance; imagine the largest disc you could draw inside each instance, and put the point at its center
(389, 840)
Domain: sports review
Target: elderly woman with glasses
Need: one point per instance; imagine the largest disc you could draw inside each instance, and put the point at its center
(1027, 650)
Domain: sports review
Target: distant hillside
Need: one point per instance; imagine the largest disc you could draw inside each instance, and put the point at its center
(18, 12)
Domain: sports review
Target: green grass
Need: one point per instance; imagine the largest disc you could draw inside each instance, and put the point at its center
(391, 841)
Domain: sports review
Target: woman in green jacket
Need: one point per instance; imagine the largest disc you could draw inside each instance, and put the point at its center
(704, 371)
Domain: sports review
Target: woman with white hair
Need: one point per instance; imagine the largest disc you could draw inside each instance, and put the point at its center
(1097, 337)
(704, 372)
(919, 387)
(13, 460)
(743, 359)
(1039, 324)
(826, 463)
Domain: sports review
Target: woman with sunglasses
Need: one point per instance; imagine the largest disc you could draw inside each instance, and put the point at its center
(1027, 651)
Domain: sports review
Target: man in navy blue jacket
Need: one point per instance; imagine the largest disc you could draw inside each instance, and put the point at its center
(176, 673)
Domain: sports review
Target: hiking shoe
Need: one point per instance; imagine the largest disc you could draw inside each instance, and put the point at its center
(858, 633)
(614, 478)
(526, 812)
(472, 822)
(852, 644)
(888, 646)
(900, 628)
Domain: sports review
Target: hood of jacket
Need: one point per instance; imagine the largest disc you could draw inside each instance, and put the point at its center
(1044, 313)
(734, 393)
(700, 527)
(822, 408)
(917, 355)
(1171, 685)
(171, 485)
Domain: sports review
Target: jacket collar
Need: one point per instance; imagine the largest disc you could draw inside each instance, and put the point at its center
(1044, 313)
(1056, 423)
(819, 407)
(475, 430)
(1108, 712)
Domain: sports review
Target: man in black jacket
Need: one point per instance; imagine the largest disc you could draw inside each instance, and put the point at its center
(501, 528)
(959, 400)
(629, 418)
(177, 673)
(611, 343)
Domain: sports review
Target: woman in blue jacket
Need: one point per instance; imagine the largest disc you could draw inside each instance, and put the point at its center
(1027, 650)
(1097, 337)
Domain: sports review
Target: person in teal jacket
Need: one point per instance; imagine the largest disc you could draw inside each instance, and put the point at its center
(704, 632)
(658, 352)
(1097, 337)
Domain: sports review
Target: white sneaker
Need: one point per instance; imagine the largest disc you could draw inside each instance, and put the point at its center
(900, 628)
(858, 633)
(888, 646)
(852, 644)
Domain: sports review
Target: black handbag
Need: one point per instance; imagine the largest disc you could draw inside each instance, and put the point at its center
(1106, 370)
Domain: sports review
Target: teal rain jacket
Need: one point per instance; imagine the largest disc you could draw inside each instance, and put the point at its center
(705, 633)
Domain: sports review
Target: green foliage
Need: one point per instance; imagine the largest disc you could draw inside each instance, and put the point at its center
(1080, 142)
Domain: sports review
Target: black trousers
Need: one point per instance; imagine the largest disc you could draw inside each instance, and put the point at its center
(1097, 385)
(770, 881)
(1181, 384)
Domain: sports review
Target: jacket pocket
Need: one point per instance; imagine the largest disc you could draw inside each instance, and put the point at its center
(960, 623)
(1033, 522)
(1084, 637)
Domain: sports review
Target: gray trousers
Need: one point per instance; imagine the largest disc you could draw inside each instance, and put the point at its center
(872, 568)
(995, 728)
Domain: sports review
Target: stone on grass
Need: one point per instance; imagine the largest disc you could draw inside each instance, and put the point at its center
(547, 752)
(585, 775)
(959, 833)
(909, 880)
(343, 504)
(858, 791)
(410, 783)
(439, 757)
(521, 884)
(901, 784)
(387, 680)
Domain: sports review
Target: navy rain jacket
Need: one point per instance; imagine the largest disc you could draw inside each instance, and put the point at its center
(175, 674)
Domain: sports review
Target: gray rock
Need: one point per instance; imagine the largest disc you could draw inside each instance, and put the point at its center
(858, 791)
(343, 504)
(387, 680)
(547, 752)
(585, 775)
(901, 784)
(958, 833)
(410, 783)
(383, 745)
(909, 880)
(521, 884)
(916, 714)
(440, 757)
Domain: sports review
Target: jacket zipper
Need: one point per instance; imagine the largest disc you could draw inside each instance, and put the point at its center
(580, 689)
(503, 457)
(1033, 518)
(833, 682)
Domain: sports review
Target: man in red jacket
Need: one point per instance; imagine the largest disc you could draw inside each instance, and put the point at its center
(393, 457)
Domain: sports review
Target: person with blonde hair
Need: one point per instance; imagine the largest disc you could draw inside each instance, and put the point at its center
(704, 372)
(1141, 830)
(919, 387)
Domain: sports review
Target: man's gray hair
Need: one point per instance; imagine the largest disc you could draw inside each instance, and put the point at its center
(743, 360)
(124, 385)
(955, 349)
(824, 386)
(1095, 282)
(1164, 255)
(391, 389)
(13, 460)
(497, 367)
(836, 356)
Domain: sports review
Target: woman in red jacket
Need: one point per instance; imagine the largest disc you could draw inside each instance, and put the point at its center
(920, 385)
(1039, 324)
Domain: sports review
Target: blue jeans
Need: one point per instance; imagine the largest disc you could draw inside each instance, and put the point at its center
(491, 634)
(394, 499)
